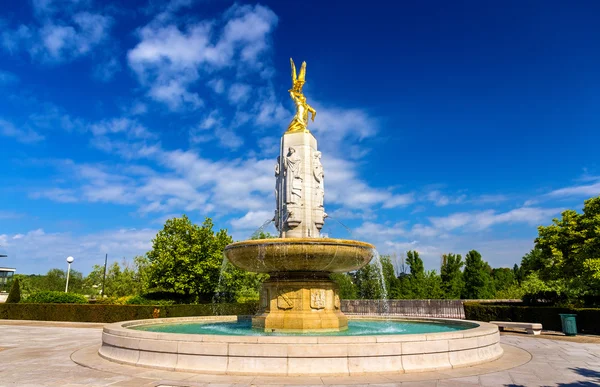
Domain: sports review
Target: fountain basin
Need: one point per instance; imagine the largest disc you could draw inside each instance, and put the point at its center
(300, 255)
(299, 354)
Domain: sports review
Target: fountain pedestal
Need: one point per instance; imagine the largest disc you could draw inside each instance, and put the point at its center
(295, 302)
(299, 296)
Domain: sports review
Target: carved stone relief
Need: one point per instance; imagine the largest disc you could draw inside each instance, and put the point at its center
(293, 179)
(317, 298)
(285, 298)
(319, 178)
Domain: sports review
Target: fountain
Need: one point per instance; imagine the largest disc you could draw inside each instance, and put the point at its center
(300, 328)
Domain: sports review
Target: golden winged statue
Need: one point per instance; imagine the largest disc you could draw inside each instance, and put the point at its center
(300, 121)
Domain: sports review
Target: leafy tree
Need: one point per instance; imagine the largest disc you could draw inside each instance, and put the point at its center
(348, 290)
(432, 285)
(416, 278)
(451, 275)
(478, 282)
(389, 275)
(187, 258)
(518, 273)
(531, 262)
(120, 280)
(568, 251)
(503, 278)
(368, 283)
(14, 296)
(30, 283)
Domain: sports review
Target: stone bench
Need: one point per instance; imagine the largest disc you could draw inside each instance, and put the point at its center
(531, 328)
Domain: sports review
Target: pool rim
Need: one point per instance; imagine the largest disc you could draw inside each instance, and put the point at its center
(456, 322)
(300, 355)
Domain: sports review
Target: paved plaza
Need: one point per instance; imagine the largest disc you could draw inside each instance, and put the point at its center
(49, 356)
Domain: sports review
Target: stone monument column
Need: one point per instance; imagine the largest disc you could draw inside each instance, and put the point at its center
(299, 187)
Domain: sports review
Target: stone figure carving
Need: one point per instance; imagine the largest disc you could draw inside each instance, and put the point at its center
(337, 303)
(293, 180)
(317, 298)
(319, 177)
(300, 121)
(277, 189)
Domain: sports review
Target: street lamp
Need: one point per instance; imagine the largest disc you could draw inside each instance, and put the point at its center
(69, 261)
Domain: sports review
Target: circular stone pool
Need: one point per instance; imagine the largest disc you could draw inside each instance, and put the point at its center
(243, 327)
(218, 346)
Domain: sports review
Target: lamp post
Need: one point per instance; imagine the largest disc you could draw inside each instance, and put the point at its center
(69, 261)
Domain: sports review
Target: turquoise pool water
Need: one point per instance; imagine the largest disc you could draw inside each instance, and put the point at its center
(355, 328)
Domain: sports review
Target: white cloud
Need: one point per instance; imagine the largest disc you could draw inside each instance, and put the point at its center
(333, 125)
(576, 190)
(59, 195)
(62, 37)
(238, 93)
(482, 220)
(252, 220)
(170, 59)
(218, 85)
(10, 215)
(345, 188)
(212, 127)
(25, 135)
(441, 200)
(131, 128)
(36, 248)
(106, 71)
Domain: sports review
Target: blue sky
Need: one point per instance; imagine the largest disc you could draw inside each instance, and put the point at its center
(444, 126)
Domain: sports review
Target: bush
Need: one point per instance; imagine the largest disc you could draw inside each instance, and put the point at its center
(545, 297)
(163, 296)
(111, 300)
(54, 297)
(548, 316)
(103, 313)
(15, 293)
(140, 300)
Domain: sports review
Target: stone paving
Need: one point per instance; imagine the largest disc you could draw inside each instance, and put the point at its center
(41, 356)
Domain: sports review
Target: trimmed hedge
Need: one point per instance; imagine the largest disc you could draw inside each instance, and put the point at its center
(587, 318)
(103, 313)
(55, 297)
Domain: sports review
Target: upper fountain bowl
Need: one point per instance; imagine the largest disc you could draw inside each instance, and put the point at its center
(278, 255)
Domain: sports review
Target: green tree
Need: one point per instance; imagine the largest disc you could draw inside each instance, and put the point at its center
(187, 258)
(55, 280)
(451, 275)
(432, 284)
(368, 283)
(416, 278)
(503, 278)
(348, 290)
(518, 273)
(389, 276)
(14, 296)
(568, 251)
(121, 280)
(478, 282)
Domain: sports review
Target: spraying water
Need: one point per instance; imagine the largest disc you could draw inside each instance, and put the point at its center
(218, 291)
(385, 309)
(262, 228)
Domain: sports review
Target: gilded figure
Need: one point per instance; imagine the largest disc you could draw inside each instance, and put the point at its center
(300, 121)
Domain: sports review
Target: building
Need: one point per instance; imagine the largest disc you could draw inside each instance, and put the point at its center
(6, 275)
